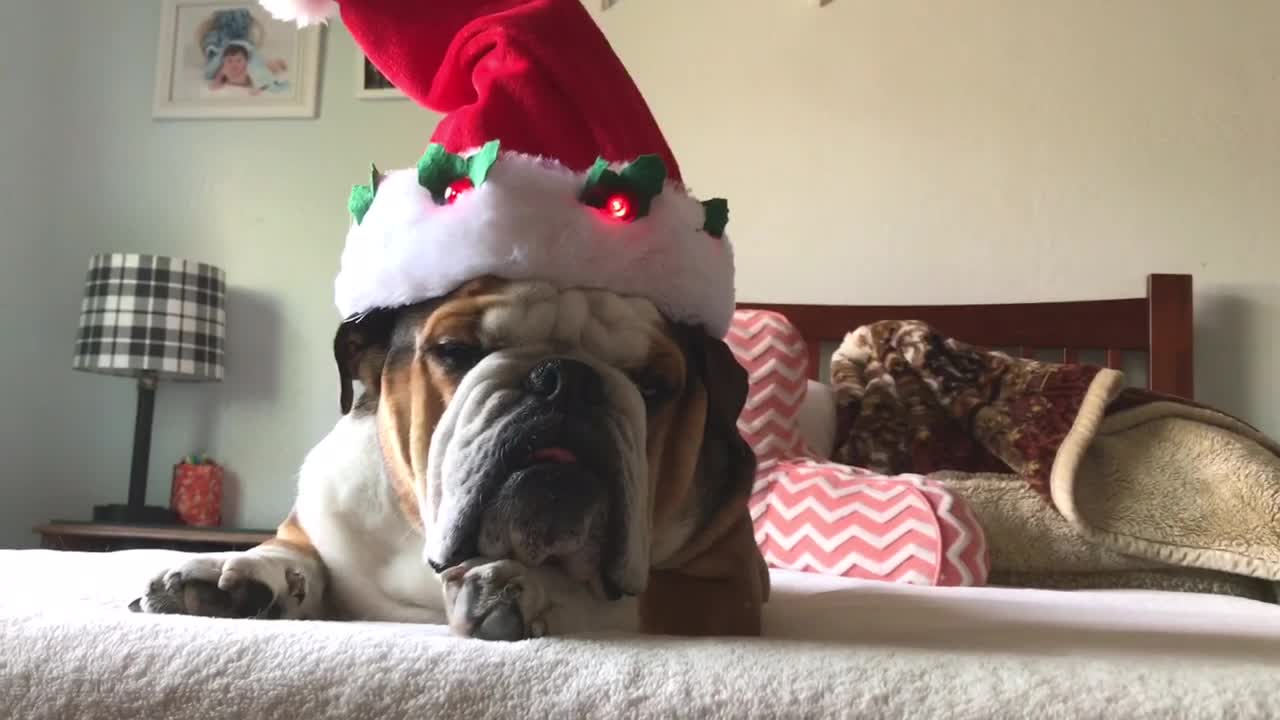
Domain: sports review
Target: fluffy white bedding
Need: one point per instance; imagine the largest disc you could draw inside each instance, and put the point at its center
(836, 648)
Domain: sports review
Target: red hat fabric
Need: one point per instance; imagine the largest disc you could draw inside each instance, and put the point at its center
(547, 165)
(537, 74)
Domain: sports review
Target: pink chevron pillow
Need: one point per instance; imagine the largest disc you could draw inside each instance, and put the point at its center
(819, 516)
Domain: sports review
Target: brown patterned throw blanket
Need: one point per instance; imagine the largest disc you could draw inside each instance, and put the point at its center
(1145, 475)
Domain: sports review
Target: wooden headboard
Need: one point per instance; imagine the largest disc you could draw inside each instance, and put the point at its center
(1159, 325)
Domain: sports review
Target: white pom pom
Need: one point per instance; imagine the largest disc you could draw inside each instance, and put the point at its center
(304, 12)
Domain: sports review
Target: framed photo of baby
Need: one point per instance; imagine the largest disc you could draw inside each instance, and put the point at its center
(231, 59)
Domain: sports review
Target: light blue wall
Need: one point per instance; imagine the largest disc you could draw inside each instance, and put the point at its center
(86, 169)
(25, 333)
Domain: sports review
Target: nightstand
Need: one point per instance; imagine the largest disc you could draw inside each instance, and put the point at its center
(105, 537)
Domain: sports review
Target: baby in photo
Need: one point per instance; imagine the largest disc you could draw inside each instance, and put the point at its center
(232, 58)
(238, 69)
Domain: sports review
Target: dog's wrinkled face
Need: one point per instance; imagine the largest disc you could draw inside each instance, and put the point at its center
(540, 453)
(563, 427)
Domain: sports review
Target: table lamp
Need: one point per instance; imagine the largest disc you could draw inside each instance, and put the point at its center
(150, 318)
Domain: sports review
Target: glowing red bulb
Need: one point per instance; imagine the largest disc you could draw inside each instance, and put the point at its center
(456, 188)
(618, 207)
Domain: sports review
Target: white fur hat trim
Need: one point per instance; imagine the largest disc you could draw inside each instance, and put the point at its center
(526, 222)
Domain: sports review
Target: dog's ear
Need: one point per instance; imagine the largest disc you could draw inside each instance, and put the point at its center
(359, 349)
(716, 583)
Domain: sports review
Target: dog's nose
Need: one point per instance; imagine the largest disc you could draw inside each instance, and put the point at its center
(566, 383)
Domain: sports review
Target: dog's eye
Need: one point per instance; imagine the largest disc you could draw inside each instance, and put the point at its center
(653, 388)
(457, 356)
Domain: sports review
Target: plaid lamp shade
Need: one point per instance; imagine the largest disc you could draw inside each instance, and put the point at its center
(148, 313)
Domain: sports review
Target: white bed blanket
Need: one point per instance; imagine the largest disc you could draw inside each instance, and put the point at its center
(69, 648)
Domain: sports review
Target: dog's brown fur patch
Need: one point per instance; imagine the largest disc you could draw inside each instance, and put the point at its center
(717, 581)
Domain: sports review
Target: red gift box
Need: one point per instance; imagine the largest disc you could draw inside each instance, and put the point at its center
(197, 493)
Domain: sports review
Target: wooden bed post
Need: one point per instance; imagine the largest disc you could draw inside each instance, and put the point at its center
(1171, 368)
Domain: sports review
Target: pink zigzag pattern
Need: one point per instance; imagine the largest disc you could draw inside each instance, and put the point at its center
(774, 357)
(818, 516)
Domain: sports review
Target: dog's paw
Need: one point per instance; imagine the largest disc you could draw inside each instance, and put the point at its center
(229, 585)
(495, 600)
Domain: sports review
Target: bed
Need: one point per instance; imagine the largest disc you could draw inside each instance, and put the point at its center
(1158, 327)
(833, 646)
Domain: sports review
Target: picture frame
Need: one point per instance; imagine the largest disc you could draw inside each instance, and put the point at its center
(371, 84)
(222, 59)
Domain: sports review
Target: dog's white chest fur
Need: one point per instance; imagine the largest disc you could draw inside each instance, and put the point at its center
(353, 517)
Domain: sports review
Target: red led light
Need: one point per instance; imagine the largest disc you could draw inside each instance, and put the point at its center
(456, 188)
(618, 207)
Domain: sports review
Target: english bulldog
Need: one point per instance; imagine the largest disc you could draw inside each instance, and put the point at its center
(521, 461)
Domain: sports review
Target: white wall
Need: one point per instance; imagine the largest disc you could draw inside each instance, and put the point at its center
(872, 152)
(25, 335)
(917, 151)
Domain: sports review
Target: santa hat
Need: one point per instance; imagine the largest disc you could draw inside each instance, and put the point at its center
(548, 164)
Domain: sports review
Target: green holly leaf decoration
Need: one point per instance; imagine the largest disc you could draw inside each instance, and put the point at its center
(361, 198)
(716, 216)
(642, 181)
(439, 167)
(646, 175)
(478, 164)
(595, 177)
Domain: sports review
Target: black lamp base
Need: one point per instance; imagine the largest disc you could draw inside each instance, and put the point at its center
(130, 515)
(137, 511)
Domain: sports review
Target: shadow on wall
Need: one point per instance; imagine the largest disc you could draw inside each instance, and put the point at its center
(1226, 350)
(195, 415)
(231, 496)
(253, 364)
(255, 340)
(255, 329)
